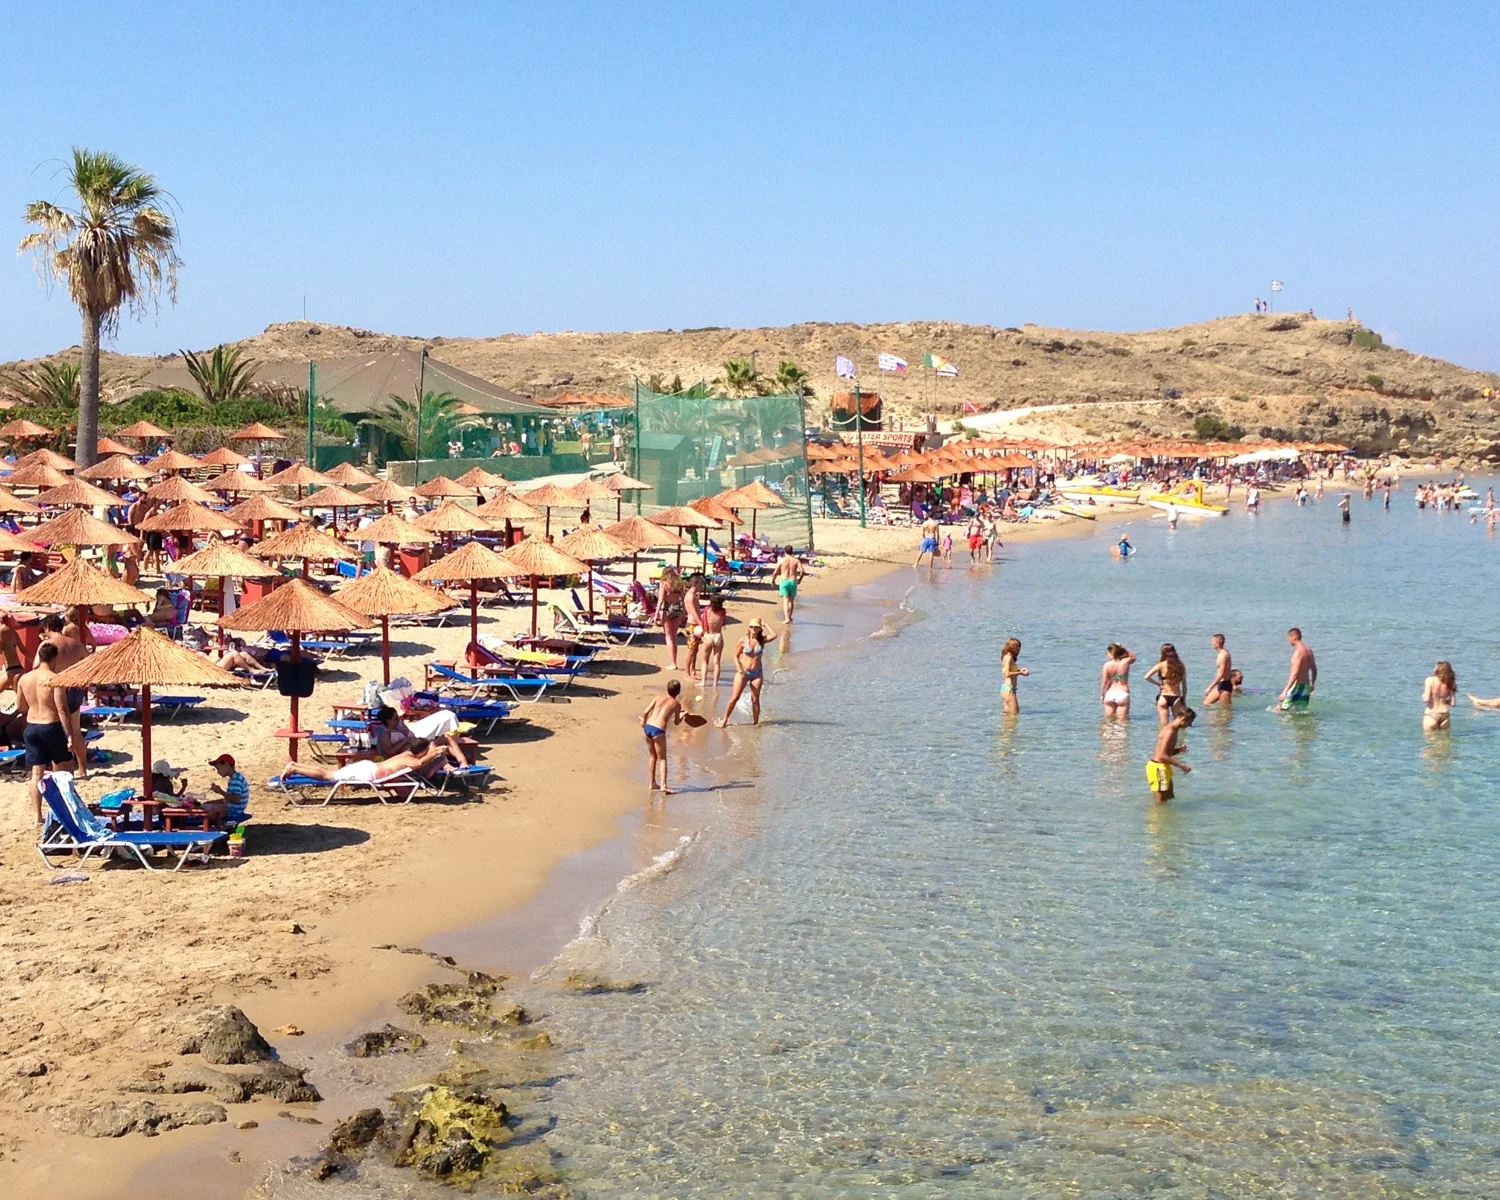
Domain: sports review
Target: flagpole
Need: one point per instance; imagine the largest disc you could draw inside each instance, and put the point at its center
(859, 434)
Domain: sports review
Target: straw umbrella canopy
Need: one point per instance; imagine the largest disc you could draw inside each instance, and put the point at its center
(507, 507)
(223, 457)
(307, 542)
(263, 508)
(51, 457)
(536, 558)
(38, 475)
(470, 563)
(478, 477)
(224, 561)
(14, 504)
(235, 482)
(22, 428)
(295, 608)
(175, 490)
(741, 498)
(76, 493)
(259, 434)
(592, 545)
(388, 492)
(108, 445)
(710, 507)
(450, 518)
(335, 497)
(619, 484)
(640, 534)
(188, 517)
(391, 530)
(435, 489)
(550, 496)
(348, 475)
(145, 659)
(117, 466)
(384, 594)
(172, 460)
(11, 544)
(79, 527)
(79, 583)
(143, 431)
(298, 475)
(682, 517)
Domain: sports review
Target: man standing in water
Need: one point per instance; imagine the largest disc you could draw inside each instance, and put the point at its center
(929, 545)
(789, 572)
(1167, 756)
(1221, 687)
(1303, 677)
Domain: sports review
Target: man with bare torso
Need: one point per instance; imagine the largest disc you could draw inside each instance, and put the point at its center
(1221, 687)
(929, 543)
(1303, 677)
(46, 736)
(10, 649)
(70, 650)
(789, 573)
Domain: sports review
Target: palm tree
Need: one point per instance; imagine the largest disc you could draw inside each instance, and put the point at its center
(792, 378)
(399, 420)
(739, 375)
(49, 385)
(117, 249)
(226, 374)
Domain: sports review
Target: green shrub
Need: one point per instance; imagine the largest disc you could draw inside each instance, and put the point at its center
(1368, 339)
(1375, 381)
(1241, 397)
(1211, 428)
(1119, 351)
(1189, 343)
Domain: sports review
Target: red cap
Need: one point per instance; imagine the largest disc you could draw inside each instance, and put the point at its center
(223, 758)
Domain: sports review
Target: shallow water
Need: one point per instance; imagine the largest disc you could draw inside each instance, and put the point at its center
(939, 952)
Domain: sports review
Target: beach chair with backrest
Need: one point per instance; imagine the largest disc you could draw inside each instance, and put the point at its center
(577, 624)
(523, 689)
(72, 829)
(332, 647)
(394, 789)
(469, 709)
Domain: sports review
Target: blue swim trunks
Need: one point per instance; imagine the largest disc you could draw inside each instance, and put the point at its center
(652, 731)
(929, 546)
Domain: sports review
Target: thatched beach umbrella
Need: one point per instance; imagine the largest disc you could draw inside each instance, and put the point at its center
(388, 493)
(257, 509)
(307, 542)
(51, 457)
(226, 562)
(38, 475)
(640, 534)
(172, 460)
(754, 495)
(620, 484)
(190, 518)
(682, 517)
(710, 507)
(22, 428)
(11, 544)
(174, 489)
(477, 478)
(145, 659)
(550, 496)
(508, 508)
(259, 434)
(78, 527)
(14, 504)
(470, 563)
(391, 530)
(334, 497)
(79, 583)
(143, 432)
(77, 493)
(592, 545)
(299, 476)
(384, 594)
(117, 466)
(234, 483)
(348, 475)
(295, 608)
(223, 457)
(441, 487)
(537, 558)
(108, 445)
(450, 518)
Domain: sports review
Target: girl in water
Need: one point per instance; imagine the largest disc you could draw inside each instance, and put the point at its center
(1438, 694)
(1009, 673)
(749, 663)
(1171, 676)
(1114, 681)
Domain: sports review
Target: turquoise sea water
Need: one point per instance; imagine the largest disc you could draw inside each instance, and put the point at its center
(938, 952)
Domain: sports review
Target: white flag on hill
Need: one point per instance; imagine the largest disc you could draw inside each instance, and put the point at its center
(843, 367)
(889, 362)
(1276, 285)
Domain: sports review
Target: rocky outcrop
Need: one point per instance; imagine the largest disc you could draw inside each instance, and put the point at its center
(469, 1005)
(387, 1040)
(224, 1035)
(115, 1118)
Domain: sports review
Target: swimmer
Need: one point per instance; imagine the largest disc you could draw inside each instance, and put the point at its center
(1170, 675)
(1123, 548)
(1114, 681)
(1303, 677)
(1167, 756)
(1221, 687)
(1237, 678)
(1438, 695)
(1009, 673)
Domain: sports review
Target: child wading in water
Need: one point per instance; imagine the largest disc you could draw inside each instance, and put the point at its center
(1167, 756)
(661, 712)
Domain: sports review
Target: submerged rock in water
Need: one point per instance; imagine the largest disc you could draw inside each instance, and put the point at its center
(468, 1005)
(594, 985)
(388, 1040)
(224, 1035)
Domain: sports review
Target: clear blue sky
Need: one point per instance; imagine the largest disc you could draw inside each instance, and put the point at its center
(467, 169)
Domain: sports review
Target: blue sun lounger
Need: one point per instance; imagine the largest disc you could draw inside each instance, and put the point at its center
(523, 689)
(469, 708)
(72, 829)
(175, 705)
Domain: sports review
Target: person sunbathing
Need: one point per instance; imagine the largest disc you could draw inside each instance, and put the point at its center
(419, 755)
(237, 658)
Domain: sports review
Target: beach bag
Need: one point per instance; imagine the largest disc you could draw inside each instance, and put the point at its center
(296, 678)
(398, 694)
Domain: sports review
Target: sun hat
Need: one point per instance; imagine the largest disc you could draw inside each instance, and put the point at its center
(162, 767)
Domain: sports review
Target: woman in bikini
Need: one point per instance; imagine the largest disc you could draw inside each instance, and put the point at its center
(1438, 694)
(671, 609)
(1114, 681)
(1170, 675)
(1009, 673)
(714, 620)
(749, 669)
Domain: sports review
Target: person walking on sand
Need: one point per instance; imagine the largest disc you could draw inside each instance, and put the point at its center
(671, 609)
(70, 650)
(1221, 687)
(1166, 757)
(1114, 681)
(750, 672)
(1169, 674)
(1438, 695)
(1010, 671)
(1303, 678)
(929, 543)
(714, 620)
(46, 737)
(663, 711)
(788, 575)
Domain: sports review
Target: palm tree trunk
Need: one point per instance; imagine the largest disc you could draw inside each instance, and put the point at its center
(88, 392)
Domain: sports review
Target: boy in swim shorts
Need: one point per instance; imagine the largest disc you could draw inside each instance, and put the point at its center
(661, 712)
(1167, 756)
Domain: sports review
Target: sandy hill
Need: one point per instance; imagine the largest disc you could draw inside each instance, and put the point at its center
(1275, 375)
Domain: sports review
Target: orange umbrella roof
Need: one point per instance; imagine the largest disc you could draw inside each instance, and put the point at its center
(640, 534)
(442, 486)
(257, 432)
(478, 477)
(78, 527)
(109, 446)
(682, 517)
(38, 475)
(334, 496)
(143, 429)
(506, 507)
(383, 593)
(471, 561)
(756, 490)
(234, 482)
(591, 545)
(303, 541)
(387, 491)
(175, 489)
(173, 460)
(624, 483)
(594, 489)
(117, 466)
(549, 495)
(263, 508)
(710, 507)
(222, 558)
(223, 457)
(145, 657)
(79, 583)
(22, 428)
(296, 475)
(14, 504)
(535, 557)
(188, 517)
(51, 457)
(296, 607)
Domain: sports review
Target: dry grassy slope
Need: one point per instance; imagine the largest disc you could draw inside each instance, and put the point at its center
(1274, 375)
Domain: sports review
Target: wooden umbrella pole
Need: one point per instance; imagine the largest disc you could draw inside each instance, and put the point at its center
(533, 606)
(385, 646)
(589, 563)
(635, 563)
(473, 655)
(145, 742)
(548, 532)
(296, 658)
(620, 506)
(221, 612)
